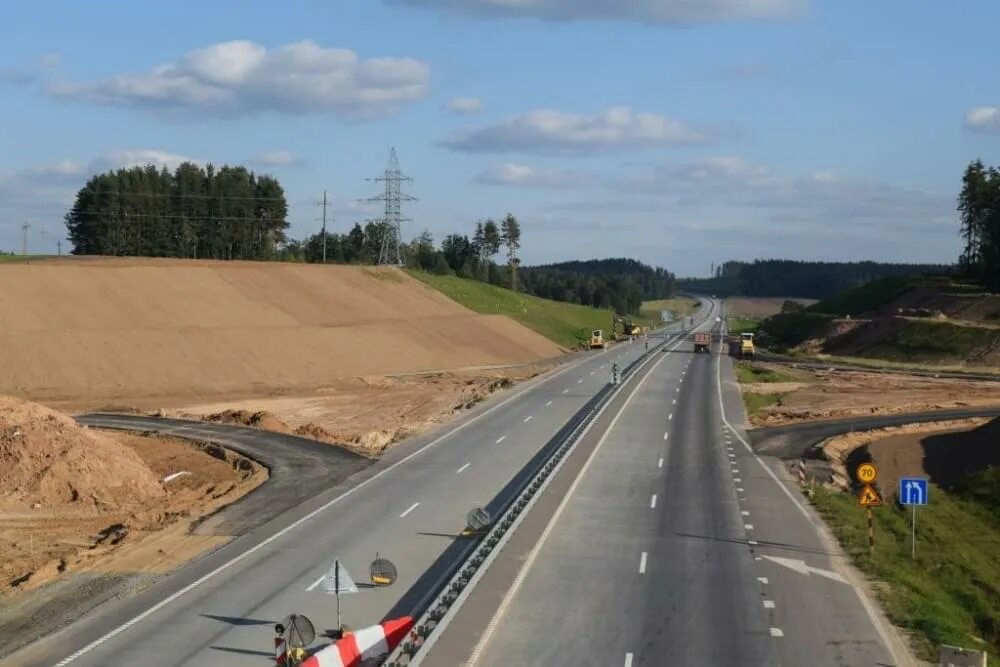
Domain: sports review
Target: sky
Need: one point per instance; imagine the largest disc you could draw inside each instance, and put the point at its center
(678, 132)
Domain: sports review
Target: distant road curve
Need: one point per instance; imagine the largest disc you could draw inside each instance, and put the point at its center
(793, 441)
(300, 468)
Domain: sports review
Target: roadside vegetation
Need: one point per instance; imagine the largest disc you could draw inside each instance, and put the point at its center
(748, 373)
(950, 594)
(756, 402)
(11, 257)
(738, 325)
(565, 323)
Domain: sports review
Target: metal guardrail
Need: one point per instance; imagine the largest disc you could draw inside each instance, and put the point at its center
(473, 565)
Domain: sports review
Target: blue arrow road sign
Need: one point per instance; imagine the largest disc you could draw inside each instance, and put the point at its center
(913, 490)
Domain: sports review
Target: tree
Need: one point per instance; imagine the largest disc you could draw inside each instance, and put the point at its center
(441, 267)
(422, 249)
(491, 239)
(229, 213)
(355, 249)
(457, 250)
(510, 234)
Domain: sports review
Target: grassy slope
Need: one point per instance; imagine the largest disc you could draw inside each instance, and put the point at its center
(747, 373)
(682, 308)
(738, 325)
(22, 258)
(565, 323)
(951, 593)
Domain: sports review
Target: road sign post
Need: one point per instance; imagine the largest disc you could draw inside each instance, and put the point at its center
(868, 498)
(913, 492)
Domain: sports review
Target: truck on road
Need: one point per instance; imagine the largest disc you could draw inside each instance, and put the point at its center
(702, 341)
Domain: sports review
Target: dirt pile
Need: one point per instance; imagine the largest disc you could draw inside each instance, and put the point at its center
(47, 459)
(259, 419)
(184, 330)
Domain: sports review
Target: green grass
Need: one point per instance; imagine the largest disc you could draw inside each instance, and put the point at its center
(755, 402)
(21, 258)
(680, 306)
(864, 298)
(932, 340)
(748, 373)
(564, 323)
(951, 593)
(738, 325)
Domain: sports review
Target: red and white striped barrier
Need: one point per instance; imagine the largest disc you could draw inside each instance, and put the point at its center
(280, 651)
(802, 472)
(364, 644)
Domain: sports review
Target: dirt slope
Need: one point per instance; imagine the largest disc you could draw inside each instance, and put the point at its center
(110, 328)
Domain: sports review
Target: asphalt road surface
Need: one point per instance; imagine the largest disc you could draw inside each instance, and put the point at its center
(677, 546)
(408, 508)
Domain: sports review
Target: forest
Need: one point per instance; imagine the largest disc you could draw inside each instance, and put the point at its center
(979, 210)
(807, 280)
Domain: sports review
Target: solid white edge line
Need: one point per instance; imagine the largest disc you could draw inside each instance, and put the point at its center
(862, 596)
(491, 627)
(410, 509)
(642, 563)
(460, 470)
(298, 522)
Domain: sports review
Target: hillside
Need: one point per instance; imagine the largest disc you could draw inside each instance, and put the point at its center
(108, 328)
(916, 320)
(565, 323)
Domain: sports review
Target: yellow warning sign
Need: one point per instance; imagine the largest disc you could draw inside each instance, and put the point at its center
(869, 497)
(867, 473)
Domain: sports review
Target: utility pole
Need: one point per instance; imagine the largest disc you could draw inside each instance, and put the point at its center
(324, 226)
(59, 248)
(24, 240)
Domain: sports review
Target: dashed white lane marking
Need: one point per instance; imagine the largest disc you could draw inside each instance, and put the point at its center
(752, 543)
(628, 660)
(675, 401)
(659, 464)
(745, 513)
(527, 419)
(411, 508)
(768, 604)
(762, 580)
(463, 468)
(652, 502)
(579, 381)
(776, 632)
(736, 471)
(565, 391)
(591, 372)
(666, 435)
(678, 390)
(315, 584)
(642, 563)
(737, 480)
(501, 439)
(740, 489)
(670, 416)
(548, 404)
(748, 526)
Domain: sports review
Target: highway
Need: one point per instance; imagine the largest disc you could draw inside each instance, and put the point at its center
(676, 545)
(408, 508)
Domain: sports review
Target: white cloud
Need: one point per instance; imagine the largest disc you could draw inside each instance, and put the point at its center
(545, 130)
(275, 159)
(242, 78)
(511, 174)
(126, 158)
(465, 104)
(983, 119)
(663, 12)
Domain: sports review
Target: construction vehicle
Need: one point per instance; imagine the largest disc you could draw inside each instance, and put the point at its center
(597, 340)
(747, 349)
(629, 328)
(702, 341)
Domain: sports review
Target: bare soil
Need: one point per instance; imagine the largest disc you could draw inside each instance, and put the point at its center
(759, 307)
(190, 331)
(74, 508)
(817, 394)
(364, 414)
